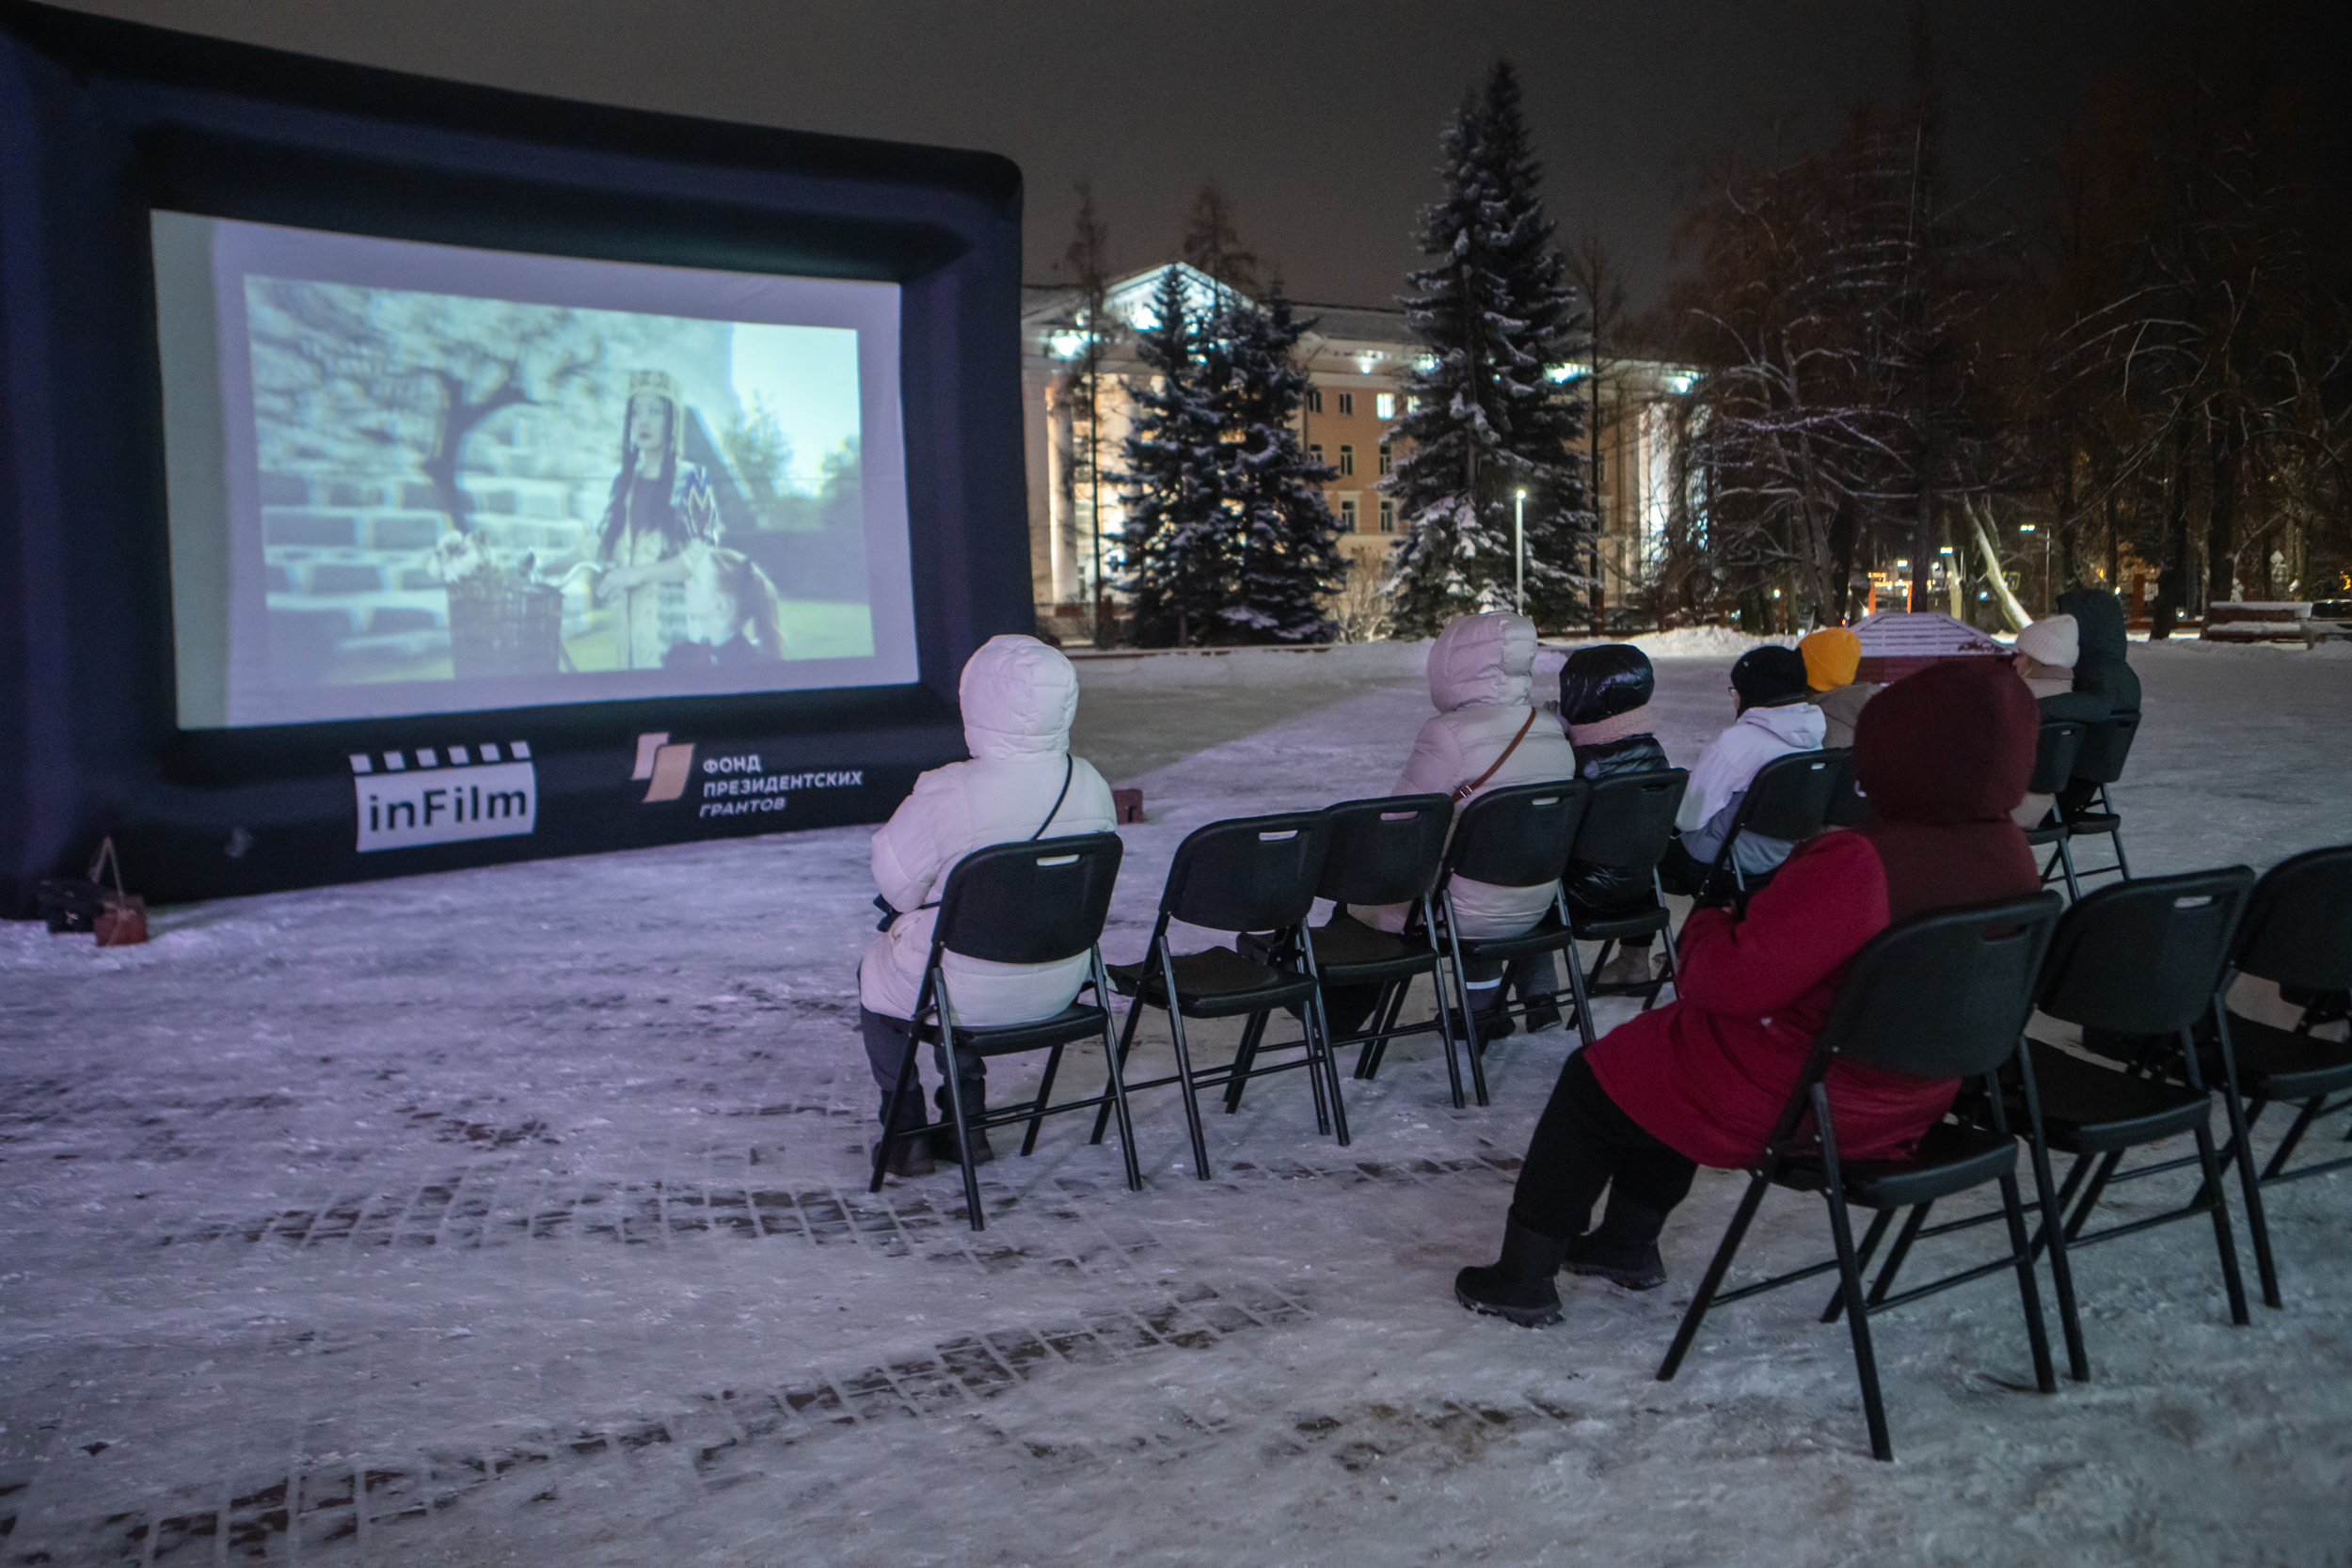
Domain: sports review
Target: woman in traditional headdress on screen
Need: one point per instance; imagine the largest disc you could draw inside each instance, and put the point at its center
(659, 522)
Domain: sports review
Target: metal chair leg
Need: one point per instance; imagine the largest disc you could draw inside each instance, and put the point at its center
(1044, 1096)
(1713, 1279)
(1126, 1040)
(2222, 1240)
(2029, 1293)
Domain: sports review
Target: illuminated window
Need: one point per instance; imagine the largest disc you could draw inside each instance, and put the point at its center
(1347, 403)
(1388, 516)
(1384, 404)
(1347, 457)
(1388, 462)
(1347, 517)
(1314, 400)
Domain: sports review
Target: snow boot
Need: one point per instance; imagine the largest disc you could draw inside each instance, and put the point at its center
(1517, 1286)
(1491, 1019)
(909, 1156)
(944, 1134)
(1543, 1013)
(1624, 1250)
(1630, 967)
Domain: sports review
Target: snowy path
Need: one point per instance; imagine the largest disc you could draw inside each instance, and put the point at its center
(517, 1216)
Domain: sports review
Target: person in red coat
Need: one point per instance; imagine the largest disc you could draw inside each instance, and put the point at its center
(1943, 757)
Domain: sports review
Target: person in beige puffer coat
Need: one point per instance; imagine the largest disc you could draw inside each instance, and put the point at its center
(1480, 682)
(1018, 697)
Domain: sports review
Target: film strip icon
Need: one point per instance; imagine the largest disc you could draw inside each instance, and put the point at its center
(444, 756)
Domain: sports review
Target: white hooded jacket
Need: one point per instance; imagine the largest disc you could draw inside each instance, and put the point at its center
(1018, 697)
(1479, 682)
(1729, 765)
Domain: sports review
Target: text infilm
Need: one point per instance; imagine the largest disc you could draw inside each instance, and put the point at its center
(444, 796)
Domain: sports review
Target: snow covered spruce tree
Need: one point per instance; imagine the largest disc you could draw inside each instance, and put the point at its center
(1286, 558)
(1176, 540)
(1484, 421)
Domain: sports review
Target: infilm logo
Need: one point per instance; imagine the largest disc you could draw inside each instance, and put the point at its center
(444, 795)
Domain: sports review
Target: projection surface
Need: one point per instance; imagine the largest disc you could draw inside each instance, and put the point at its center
(414, 479)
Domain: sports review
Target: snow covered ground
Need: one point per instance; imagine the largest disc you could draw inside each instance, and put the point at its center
(518, 1216)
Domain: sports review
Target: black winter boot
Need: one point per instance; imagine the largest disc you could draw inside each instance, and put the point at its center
(909, 1156)
(1624, 1249)
(1517, 1286)
(943, 1132)
(1543, 1012)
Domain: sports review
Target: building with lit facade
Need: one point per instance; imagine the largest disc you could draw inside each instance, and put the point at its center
(1355, 361)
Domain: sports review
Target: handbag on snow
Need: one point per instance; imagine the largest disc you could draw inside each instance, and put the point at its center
(121, 921)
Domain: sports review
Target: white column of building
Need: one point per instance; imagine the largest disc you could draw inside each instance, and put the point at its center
(1062, 467)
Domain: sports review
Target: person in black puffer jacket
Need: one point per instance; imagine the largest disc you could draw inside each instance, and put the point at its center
(1604, 706)
(2100, 667)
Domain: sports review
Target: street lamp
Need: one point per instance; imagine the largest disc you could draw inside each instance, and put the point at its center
(1518, 551)
(2046, 601)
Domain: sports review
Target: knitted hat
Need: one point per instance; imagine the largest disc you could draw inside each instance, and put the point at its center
(2057, 642)
(1953, 743)
(1769, 677)
(1831, 655)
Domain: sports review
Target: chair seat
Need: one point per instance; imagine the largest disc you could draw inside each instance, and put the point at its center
(2095, 822)
(1617, 925)
(2048, 834)
(1074, 1022)
(2090, 1109)
(2279, 1064)
(1951, 1159)
(1219, 983)
(1546, 936)
(1349, 952)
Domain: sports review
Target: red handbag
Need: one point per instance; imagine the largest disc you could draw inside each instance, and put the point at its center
(123, 920)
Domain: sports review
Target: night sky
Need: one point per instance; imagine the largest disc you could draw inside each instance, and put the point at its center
(1319, 120)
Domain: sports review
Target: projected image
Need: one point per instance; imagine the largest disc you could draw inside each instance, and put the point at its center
(544, 480)
(461, 488)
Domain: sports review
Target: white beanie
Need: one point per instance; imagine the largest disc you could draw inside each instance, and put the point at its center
(2057, 642)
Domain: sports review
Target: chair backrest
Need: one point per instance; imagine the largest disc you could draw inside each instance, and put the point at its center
(1629, 819)
(1385, 850)
(2105, 744)
(1944, 995)
(1032, 903)
(2054, 753)
(2143, 956)
(2298, 928)
(1848, 806)
(1248, 873)
(1789, 796)
(1518, 836)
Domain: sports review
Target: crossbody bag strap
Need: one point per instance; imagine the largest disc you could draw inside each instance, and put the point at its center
(1069, 766)
(1463, 792)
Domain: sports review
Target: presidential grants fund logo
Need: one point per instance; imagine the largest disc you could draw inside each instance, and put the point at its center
(730, 785)
(444, 795)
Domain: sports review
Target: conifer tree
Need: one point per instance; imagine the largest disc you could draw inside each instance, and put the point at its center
(1484, 421)
(1286, 561)
(1176, 544)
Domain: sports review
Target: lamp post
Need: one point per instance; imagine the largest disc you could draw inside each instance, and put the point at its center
(2047, 602)
(1518, 552)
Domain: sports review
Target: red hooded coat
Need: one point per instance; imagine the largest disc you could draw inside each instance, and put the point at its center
(1943, 756)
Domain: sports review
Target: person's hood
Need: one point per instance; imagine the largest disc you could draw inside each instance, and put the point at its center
(1603, 682)
(2098, 621)
(1482, 659)
(1018, 697)
(1953, 743)
(1797, 726)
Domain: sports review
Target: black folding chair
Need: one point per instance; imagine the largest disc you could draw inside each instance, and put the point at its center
(1848, 806)
(2298, 932)
(2105, 744)
(2054, 750)
(1032, 903)
(1944, 995)
(2138, 966)
(1516, 836)
(1385, 850)
(1251, 873)
(1789, 798)
(1627, 824)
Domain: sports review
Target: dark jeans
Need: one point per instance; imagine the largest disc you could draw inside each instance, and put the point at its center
(1584, 1143)
(886, 1043)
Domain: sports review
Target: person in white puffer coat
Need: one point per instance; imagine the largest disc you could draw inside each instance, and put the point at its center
(1018, 697)
(1480, 682)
